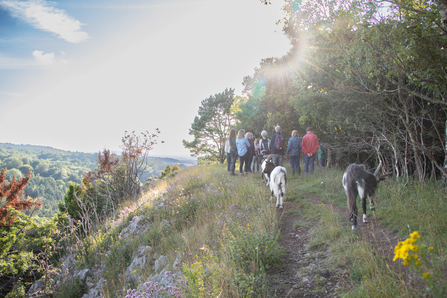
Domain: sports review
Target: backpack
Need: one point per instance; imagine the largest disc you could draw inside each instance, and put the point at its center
(265, 146)
(279, 141)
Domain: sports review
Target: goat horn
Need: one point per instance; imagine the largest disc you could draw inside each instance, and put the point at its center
(384, 176)
(377, 172)
(269, 157)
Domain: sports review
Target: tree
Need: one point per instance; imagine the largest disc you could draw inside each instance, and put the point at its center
(114, 181)
(11, 194)
(211, 128)
(375, 84)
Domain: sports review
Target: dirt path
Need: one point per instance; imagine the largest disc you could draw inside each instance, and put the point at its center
(305, 272)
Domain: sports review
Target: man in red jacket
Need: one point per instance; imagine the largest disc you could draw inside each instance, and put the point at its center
(310, 149)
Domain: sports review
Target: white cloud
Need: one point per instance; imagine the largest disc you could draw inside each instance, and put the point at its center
(41, 15)
(43, 58)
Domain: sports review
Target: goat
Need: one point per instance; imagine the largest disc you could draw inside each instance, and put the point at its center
(267, 167)
(358, 181)
(278, 183)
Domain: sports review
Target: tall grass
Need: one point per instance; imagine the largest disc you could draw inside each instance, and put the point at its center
(223, 227)
(226, 230)
(402, 208)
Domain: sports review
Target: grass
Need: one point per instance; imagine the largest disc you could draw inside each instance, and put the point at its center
(226, 230)
(402, 208)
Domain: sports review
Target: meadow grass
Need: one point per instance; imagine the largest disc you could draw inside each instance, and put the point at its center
(224, 227)
(226, 230)
(402, 208)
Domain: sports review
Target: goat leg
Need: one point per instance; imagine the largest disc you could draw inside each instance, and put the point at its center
(365, 218)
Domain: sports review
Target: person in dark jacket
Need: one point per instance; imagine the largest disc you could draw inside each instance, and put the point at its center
(277, 146)
(322, 155)
(293, 151)
(233, 151)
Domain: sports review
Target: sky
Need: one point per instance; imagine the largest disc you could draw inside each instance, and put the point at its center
(75, 75)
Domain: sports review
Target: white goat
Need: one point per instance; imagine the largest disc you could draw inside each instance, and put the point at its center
(278, 183)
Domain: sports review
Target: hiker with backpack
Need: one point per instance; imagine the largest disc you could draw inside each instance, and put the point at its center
(277, 146)
(310, 148)
(293, 151)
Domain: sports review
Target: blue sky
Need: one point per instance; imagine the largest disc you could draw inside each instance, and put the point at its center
(75, 75)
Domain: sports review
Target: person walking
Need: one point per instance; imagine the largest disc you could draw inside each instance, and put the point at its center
(255, 161)
(322, 155)
(232, 151)
(242, 145)
(251, 150)
(277, 146)
(264, 143)
(293, 151)
(227, 152)
(310, 148)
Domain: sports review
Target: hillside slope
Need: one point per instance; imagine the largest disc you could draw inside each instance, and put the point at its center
(203, 233)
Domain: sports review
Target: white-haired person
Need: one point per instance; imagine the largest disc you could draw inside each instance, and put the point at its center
(277, 146)
(242, 145)
(265, 145)
(251, 150)
(293, 151)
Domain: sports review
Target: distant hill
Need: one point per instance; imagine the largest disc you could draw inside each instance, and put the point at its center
(174, 161)
(53, 169)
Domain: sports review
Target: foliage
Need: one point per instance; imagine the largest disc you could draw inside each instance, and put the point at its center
(211, 128)
(417, 256)
(52, 170)
(169, 171)
(74, 193)
(115, 180)
(356, 75)
(10, 198)
(30, 248)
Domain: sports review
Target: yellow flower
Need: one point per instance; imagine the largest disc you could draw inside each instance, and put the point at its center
(430, 248)
(414, 235)
(426, 275)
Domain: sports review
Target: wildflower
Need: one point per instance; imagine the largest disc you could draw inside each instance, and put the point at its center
(426, 275)
(415, 234)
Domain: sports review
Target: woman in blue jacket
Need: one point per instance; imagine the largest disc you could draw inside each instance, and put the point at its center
(293, 151)
(242, 145)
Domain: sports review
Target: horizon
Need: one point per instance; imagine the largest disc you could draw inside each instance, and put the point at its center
(114, 152)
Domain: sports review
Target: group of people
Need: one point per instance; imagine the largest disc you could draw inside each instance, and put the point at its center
(252, 151)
